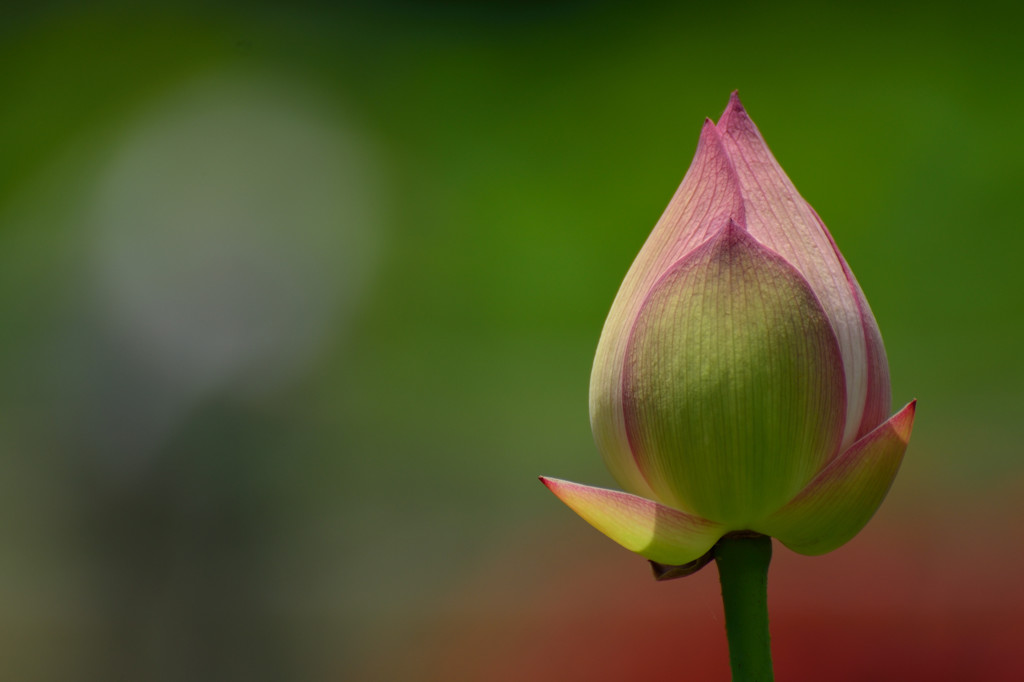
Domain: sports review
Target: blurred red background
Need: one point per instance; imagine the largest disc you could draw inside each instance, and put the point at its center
(903, 601)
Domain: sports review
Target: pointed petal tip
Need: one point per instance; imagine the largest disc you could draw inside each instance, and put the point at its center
(733, 108)
(902, 423)
(551, 484)
(735, 121)
(708, 133)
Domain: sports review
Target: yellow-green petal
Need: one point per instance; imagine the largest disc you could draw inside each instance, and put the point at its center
(733, 386)
(843, 498)
(652, 530)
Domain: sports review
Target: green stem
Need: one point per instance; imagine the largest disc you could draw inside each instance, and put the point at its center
(743, 570)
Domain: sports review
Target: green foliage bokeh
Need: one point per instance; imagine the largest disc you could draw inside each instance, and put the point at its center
(511, 159)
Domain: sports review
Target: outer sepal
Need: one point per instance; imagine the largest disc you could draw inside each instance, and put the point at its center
(845, 495)
(657, 532)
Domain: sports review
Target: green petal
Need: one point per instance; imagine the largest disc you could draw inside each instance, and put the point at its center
(652, 530)
(733, 386)
(843, 498)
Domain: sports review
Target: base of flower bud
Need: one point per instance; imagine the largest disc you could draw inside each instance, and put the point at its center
(668, 572)
(664, 572)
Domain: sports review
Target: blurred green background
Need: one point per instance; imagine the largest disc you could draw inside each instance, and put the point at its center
(296, 303)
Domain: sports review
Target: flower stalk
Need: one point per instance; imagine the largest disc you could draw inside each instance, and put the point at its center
(742, 560)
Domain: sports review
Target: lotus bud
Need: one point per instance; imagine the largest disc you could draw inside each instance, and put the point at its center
(740, 382)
